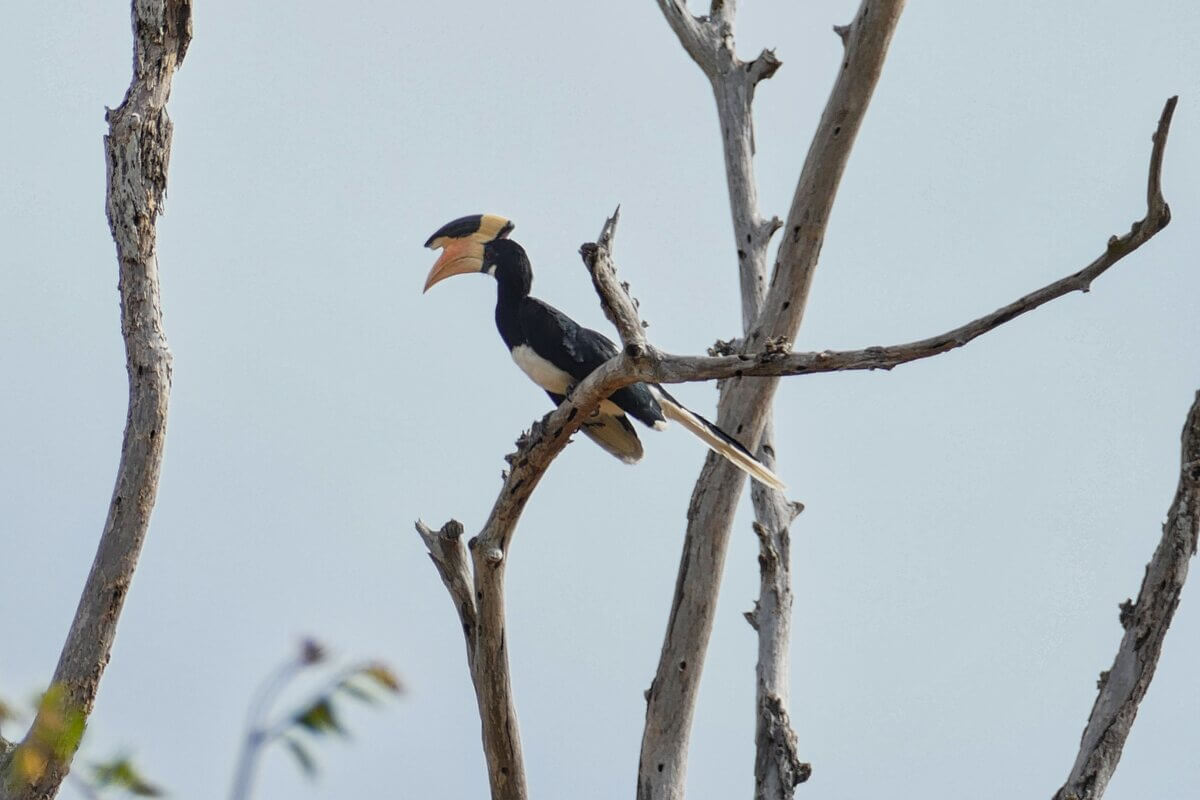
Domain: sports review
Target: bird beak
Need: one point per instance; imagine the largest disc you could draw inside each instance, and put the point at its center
(462, 242)
(459, 256)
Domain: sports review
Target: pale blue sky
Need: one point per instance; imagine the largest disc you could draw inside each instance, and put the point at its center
(972, 522)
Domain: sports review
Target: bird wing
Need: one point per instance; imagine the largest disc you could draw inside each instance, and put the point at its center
(562, 341)
(578, 351)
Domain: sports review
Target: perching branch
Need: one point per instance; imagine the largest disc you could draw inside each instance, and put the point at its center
(1146, 622)
(482, 613)
(137, 150)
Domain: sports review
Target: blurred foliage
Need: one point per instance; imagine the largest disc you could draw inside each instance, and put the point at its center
(320, 716)
(120, 773)
(56, 734)
(7, 713)
(58, 728)
(301, 726)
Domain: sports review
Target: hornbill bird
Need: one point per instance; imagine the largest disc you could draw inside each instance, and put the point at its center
(557, 353)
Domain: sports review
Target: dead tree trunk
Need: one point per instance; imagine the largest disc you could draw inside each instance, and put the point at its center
(137, 151)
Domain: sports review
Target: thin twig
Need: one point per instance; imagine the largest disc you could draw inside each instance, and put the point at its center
(618, 304)
(1146, 622)
(253, 738)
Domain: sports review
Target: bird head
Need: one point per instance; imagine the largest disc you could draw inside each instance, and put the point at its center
(464, 243)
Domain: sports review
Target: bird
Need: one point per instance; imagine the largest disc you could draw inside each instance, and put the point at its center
(557, 353)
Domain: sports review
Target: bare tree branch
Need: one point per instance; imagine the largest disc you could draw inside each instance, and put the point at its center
(697, 36)
(619, 305)
(137, 150)
(1146, 622)
(745, 405)
(679, 369)
(493, 688)
(777, 765)
(710, 43)
(449, 555)
(482, 613)
(777, 768)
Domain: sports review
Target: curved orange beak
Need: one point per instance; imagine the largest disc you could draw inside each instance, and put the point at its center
(459, 256)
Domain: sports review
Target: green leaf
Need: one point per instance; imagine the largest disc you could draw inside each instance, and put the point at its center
(122, 774)
(308, 765)
(319, 718)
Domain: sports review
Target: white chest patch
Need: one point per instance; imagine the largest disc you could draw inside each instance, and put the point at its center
(541, 371)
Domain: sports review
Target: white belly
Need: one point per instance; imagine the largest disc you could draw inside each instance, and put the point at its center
(550, 377)
(541, 371)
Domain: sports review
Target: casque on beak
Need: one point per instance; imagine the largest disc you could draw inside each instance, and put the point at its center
(462, 242)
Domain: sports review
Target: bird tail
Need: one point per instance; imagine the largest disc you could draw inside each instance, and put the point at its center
(616, 435)
(613, 432)
(718, 441)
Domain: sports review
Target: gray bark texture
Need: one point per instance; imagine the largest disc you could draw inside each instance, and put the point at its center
(711, 44)
(744, 408)
(137, 150)
(1146, 622)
